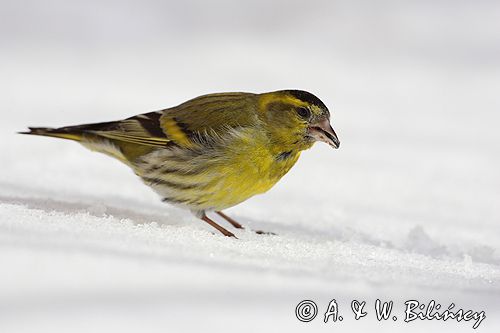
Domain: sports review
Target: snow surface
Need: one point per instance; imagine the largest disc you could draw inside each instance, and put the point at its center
(408, 208)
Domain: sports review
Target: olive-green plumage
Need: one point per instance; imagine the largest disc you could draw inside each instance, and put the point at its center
(214, 151)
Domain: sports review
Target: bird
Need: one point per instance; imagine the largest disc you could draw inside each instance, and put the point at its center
(214, 151)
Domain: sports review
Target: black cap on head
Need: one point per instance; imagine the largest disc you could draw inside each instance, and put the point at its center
(307, 97)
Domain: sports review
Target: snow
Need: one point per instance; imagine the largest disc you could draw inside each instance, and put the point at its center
(406, 209)
(68, 260)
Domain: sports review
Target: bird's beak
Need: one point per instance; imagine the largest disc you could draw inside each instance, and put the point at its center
(323, 131)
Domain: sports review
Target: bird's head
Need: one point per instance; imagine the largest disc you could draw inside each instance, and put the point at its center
(296, 118)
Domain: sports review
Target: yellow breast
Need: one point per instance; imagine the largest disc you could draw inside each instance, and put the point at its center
(251, 168)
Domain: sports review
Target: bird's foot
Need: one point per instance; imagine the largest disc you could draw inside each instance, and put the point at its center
(262, 232)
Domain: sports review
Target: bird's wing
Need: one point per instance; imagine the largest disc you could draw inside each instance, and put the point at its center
(202, 117)
(208, 116)
(143, 129)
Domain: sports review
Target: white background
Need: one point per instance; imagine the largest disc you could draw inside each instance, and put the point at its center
(408, 208)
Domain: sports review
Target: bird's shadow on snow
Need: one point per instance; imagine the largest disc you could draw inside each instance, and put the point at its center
(173, 216)
(140, 213)
(91, 207)
(417, 240)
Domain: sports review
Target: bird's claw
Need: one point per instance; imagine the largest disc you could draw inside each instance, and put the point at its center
(261, 232)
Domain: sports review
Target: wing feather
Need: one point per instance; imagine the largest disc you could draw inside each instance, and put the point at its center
(143, 129)
(208, 116)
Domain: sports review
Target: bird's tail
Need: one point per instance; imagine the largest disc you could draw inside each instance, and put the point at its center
(70, 132)
(87, 136)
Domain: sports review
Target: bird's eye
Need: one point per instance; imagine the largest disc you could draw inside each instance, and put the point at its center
(304, 112)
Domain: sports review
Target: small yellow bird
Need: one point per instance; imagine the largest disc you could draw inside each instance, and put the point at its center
(214, 151)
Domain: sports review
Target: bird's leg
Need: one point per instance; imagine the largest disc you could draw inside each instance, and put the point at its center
(225, 232)
(239, 226)
(230, 220)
